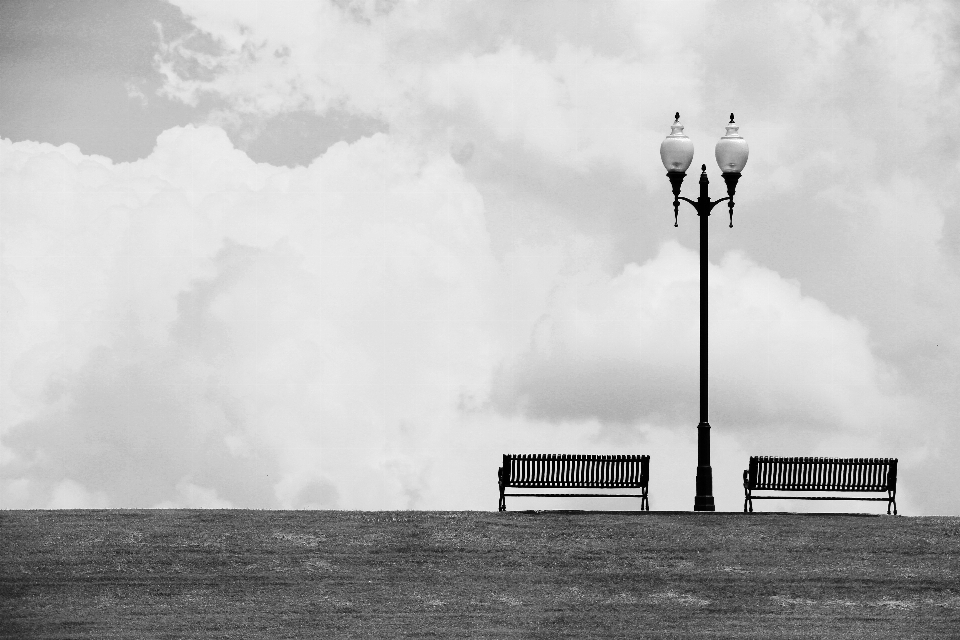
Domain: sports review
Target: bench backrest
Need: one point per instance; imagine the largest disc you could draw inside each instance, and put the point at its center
(561, 470)
(823, 474)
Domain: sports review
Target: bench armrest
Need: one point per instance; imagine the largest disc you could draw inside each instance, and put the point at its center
(746, 479)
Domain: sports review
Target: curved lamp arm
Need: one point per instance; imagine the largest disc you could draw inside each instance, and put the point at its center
(698, 206)
(676, 179)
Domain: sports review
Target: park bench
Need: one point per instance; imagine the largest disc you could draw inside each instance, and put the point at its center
(768, 473)
(560, 471)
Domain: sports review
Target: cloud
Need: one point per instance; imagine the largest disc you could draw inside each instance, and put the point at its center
(196, 329)
(464, 76)
(625, 350)
(268, 62)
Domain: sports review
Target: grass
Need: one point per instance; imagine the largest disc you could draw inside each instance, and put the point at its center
(320, 574)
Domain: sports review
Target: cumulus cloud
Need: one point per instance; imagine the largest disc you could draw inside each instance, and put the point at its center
(197, 329)
(626, 350)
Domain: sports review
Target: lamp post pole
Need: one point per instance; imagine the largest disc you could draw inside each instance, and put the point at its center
(677, 153)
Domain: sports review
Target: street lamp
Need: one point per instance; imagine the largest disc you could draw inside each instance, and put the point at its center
(676, 152)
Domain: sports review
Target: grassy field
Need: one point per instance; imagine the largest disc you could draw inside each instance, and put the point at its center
(320, 574)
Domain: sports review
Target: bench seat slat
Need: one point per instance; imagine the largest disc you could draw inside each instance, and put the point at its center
(815, 498)
(582, 495)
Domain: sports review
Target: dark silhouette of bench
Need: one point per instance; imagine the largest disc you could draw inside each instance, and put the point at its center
(768, 473)
(561, 471)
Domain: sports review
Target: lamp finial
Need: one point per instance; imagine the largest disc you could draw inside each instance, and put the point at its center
(731, 118)
(703, 168)
(677, 116)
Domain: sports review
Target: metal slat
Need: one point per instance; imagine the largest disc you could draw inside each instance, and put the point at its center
(814, 498)
(582, 495)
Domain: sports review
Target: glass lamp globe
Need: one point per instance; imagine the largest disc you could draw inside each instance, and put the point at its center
(676, 151)
(732, 150)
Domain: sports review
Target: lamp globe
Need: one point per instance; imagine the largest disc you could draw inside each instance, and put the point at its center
(676, 151)
(732, 150)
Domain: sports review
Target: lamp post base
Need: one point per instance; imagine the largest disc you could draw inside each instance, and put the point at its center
(703, 503)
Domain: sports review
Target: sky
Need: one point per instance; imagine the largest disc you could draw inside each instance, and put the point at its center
(344, 254)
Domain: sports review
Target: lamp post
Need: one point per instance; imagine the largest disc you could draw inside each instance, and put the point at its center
(676, 152)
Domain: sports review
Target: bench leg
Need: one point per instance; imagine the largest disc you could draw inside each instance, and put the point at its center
(644, 502)
(747, 501)
(892, 501)
(503, 501)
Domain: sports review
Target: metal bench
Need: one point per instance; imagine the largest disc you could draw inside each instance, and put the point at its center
(768, 473)
(561, 471)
